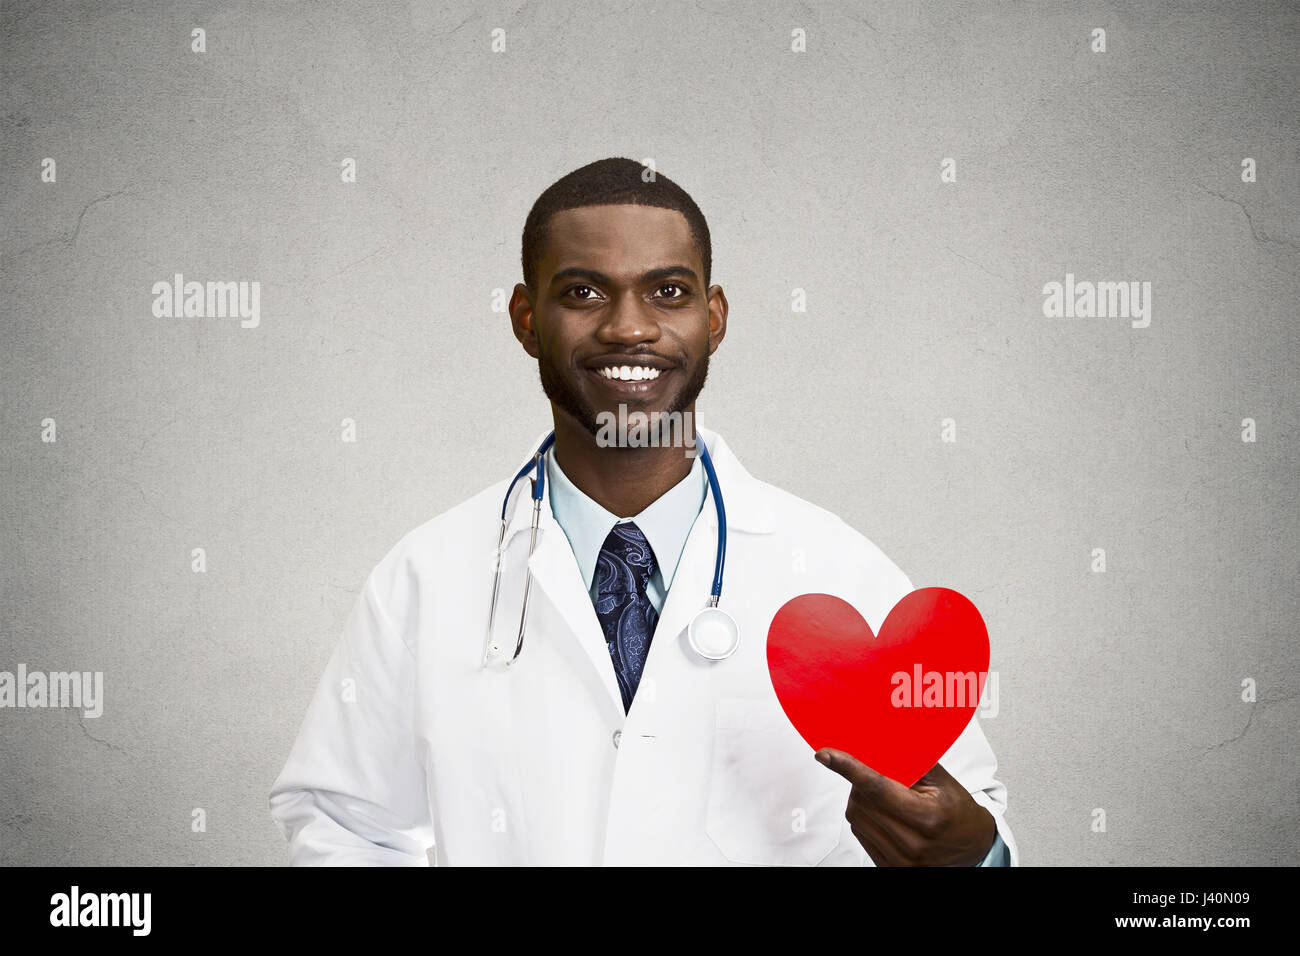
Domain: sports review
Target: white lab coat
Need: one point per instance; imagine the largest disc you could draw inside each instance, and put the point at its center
(408, 743)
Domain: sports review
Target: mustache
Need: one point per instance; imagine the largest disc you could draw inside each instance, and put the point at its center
(626, 356)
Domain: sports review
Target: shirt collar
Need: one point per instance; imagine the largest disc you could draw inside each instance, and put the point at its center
(666, 522)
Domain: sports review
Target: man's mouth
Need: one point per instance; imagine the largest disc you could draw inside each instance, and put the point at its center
(629, 373)
(625, 376)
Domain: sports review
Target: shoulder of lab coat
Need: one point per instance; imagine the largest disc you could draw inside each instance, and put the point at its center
(970, 759)
(353, 790)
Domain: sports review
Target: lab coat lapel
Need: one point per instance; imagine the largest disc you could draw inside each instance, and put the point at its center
(556, 575)
(689, 591)
(557, 580)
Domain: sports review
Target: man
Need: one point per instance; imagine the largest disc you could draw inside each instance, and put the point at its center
(608, 739)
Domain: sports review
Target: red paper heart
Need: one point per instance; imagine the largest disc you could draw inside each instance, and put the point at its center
(843, 687)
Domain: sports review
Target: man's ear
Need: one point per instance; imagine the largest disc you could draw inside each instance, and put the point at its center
(717, 317)
(521, 319)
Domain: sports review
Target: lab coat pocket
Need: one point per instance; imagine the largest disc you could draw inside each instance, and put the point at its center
(770, 802)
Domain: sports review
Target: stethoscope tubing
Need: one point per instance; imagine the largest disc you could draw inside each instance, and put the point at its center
(538, 482)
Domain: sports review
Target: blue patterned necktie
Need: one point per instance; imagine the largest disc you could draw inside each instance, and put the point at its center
(626, 615)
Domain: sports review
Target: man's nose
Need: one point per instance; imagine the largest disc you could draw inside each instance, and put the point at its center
(628, 321)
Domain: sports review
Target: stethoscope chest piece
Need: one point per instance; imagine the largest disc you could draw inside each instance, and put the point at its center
(713, 634)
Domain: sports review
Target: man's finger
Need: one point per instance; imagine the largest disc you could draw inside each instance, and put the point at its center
(869, 785)
(935, 777)
(875, 836)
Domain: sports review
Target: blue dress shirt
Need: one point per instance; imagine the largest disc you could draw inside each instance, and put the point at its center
(666, 523)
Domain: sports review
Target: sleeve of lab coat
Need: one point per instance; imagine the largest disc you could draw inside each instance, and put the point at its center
(971, 761)
(353, 791)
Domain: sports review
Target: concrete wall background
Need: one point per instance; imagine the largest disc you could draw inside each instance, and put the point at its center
(1119, 690)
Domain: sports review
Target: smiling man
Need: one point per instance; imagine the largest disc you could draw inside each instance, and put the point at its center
(522, 684)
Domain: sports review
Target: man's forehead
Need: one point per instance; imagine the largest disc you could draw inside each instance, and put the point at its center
(626, 236)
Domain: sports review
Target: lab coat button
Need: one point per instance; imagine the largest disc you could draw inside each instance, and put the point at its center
(618, 735)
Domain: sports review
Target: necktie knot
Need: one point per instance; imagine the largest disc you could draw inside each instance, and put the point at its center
(625, 562)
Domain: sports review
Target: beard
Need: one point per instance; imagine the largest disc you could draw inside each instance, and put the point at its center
(562, 393)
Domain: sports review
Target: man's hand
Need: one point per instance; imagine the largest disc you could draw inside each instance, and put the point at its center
(935, 823)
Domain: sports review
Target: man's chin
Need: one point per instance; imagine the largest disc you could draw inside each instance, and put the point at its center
(599, 420)
(607, 425)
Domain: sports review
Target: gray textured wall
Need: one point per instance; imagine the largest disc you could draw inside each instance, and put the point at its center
(819, 170)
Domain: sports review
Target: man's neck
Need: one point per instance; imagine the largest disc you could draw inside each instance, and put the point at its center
(623, 481)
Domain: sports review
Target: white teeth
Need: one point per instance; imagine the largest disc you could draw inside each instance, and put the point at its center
(629, 373)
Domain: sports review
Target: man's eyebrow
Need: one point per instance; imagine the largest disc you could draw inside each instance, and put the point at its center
(591, 275)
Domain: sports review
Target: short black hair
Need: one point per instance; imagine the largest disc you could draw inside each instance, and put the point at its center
(606, 182)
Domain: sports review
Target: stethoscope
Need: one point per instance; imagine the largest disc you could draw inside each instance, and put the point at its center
(713, 633)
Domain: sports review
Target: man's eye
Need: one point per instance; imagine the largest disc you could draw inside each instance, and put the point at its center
(575, 289)
(673, 285)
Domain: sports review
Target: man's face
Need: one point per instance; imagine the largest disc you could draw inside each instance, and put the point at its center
(620, 314)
